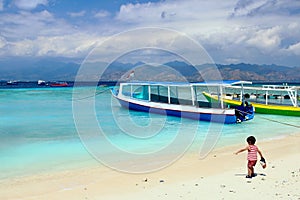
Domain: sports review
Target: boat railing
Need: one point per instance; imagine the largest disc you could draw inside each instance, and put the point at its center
(274, 101)
(276, 87)
(276, 91)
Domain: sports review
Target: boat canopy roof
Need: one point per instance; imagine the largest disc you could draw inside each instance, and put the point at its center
(178, 84)
(270, 88)
(222, 83)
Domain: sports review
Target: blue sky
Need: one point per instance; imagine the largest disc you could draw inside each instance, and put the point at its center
(231, 31)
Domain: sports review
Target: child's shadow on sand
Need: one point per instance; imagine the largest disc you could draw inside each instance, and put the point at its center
(255, 174)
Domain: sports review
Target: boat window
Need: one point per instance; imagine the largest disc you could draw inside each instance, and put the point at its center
(126, 90)
(174, 95)
(159, 93)
(136, 91)
(201, 100)
(184, 95)
(140, 92)
(178, 95)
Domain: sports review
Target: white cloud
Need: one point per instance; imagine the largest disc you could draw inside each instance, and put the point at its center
(31, 25)
(266, 39)
(259, 35)
(175, 11)
(77, 14)
(266, 7)
(246, 30)
(232, 60)
(102, 14)
(294, 48)
(197, 18)
(247, 7)
(68, 45)
(1, 5)
(29, 4)
(3, 42)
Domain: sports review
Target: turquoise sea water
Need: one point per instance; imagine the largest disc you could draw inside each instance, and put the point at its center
(38, 133)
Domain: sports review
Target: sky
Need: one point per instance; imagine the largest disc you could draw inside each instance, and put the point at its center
(231, 31)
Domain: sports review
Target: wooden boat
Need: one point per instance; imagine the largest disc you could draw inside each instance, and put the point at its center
(266, 107)
(178, 99)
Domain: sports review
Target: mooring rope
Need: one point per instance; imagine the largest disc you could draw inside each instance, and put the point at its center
(279, 122)
(272, 120)
(91, 96)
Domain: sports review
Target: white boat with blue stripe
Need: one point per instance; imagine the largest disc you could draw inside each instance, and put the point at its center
(181, 100)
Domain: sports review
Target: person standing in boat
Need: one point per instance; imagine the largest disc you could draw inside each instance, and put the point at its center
(252, 155)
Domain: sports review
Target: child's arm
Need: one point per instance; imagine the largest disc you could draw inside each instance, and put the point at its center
(259, 152)
(241, 150)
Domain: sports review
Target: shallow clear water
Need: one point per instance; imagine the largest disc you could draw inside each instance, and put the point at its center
(38, 132)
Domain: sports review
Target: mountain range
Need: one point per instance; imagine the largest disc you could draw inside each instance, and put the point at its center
(64, 69)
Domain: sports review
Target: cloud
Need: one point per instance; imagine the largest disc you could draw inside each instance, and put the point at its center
(169, 43)
(251, 31)
(180, 11)
(72, 45)
(2, 42)
(266, 7)
(25, 24)
(294, 48)
(29, 4)
(42, 34)
(247, 7)
(192, 17)
(1, 5)
(77, 14)
(102, 14)
(136, 13)
(69, 45)
(266, 39)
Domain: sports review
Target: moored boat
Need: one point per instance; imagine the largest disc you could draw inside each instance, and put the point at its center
(265, 106)
(11, 82)
(59, 84)
(179, 99)
(41, 82)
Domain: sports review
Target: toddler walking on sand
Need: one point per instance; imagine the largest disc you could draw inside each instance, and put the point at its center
(252, 155)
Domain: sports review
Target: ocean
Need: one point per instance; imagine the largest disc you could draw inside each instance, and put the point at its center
(40, 133)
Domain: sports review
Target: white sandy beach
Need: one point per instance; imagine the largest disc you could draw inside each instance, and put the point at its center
(219, 176)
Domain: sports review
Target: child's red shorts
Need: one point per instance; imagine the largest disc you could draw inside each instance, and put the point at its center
(251, 163)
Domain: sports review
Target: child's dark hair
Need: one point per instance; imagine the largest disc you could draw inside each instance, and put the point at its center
(251, 140)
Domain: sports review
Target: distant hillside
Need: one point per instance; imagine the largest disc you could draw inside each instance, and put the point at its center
(28, 69)
(254, 72)
(64, 69)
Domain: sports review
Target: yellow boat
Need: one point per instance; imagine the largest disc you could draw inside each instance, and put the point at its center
(259, 107)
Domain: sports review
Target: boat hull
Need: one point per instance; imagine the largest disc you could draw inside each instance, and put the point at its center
(260, 108)
(59, 85)
(202, 116)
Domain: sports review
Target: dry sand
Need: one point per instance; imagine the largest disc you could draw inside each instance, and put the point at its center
(221, 175)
